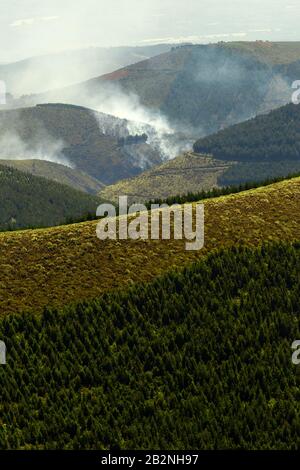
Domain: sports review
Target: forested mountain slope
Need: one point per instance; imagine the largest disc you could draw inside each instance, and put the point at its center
(57, 172)
(197, 88)
(195, 360)
(80, 137)
(31, 201)
(267, 146)
(271, 137)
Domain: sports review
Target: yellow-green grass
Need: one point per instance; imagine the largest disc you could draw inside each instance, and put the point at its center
(275, 53)
(189, 172)
(56, 266)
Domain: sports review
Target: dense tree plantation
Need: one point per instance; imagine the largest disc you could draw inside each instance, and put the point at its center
(29, 201)
(246, 172)
(197, 359)
(271, 137)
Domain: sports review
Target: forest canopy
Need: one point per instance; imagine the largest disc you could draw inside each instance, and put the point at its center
(197, 359)
(29, 201)
(271, 137)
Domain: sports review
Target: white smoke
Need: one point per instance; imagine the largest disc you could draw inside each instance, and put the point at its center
(139, 120)
(62, 69)
(134, 118)
(13, 147)
(108, 98)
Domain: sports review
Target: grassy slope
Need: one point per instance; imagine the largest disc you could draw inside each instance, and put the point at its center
(56, 172)
(60, 265)
(269, 52)
(187, 173)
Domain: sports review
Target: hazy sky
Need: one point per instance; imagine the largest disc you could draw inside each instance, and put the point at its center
(31, 27)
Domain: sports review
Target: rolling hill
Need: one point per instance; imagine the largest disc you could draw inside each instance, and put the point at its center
(56, 172)
(197, 88)
(31, 201)
(271, 137)
(79, 137)
(264, 147)
(56, 266)
(187, 173)
(43, 73)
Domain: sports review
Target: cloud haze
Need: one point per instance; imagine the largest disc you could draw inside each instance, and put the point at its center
(32, 27)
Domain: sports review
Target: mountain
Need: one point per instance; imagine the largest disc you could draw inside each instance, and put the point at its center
(187, 173)
(257, 172)
(31, 201)
(273, 53)
(92, 142)
(197, 89)
(198, 359)
(33, 263)
(265, 147)
(56, 172)
(271, 137)
(43, 73)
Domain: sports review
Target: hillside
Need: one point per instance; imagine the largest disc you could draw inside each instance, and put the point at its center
(57, 266)
(271, 137)
(77, 136)
(56, 172)
(187, 173)
(249, 172)
(31, 201)
(43, 73)
(152, 367)
(264, 147)
(200, 88)
(273, 53)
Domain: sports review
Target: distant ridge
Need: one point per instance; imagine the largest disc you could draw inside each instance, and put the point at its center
(203, 88)
(190, 172)
(56, 172)
(88, 140)
(31, 201)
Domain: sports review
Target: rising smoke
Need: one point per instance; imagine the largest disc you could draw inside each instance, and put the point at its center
(12, 147)
(23, 137)
(132, 117)
(138, 119)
